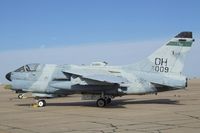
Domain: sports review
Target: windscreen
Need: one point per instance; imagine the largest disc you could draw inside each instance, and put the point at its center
(31, 67)
(27, 68)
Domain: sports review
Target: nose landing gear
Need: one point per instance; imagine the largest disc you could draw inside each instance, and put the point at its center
(41, 103)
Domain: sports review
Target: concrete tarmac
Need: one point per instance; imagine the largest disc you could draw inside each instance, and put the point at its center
(168, 112)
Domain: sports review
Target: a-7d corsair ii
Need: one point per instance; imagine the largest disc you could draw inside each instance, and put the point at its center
(161, 71)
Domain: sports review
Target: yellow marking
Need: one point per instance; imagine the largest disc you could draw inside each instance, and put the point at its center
(34, 105)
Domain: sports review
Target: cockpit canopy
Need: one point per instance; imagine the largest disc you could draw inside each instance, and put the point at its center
(28, 68)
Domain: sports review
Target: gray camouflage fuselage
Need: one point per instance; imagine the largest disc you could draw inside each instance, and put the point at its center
(161, 71)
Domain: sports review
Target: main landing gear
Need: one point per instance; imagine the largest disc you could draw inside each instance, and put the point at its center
(38, 103)
(102, 102)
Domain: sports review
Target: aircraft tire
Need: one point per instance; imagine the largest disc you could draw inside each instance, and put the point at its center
(108, 100)
(41, 103)
(20, 96)
(101, 102)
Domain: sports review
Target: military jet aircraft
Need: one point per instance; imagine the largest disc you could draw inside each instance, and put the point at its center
(159, 72)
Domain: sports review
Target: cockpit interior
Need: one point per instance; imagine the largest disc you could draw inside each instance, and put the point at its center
(28, 68)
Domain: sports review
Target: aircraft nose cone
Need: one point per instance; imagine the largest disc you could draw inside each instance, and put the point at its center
(8, 76)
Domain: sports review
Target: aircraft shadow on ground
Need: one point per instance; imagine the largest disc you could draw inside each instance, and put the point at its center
(115, 103)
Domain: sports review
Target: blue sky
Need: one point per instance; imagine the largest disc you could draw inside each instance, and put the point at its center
(34, 23)
(43, 24)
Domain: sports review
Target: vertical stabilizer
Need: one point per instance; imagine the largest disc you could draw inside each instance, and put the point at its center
(169, 58)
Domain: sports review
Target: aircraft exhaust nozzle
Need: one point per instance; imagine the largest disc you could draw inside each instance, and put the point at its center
(8, 76)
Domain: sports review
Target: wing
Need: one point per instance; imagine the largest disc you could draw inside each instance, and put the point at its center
(97, 78)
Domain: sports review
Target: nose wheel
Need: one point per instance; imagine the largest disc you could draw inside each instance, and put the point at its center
(41, 103)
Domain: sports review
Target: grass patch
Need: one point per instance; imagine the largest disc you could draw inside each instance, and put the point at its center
(7, 87)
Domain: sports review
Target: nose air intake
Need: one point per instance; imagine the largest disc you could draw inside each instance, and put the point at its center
(8, 76)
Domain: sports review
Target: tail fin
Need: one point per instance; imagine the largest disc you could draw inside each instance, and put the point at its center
(170, 57)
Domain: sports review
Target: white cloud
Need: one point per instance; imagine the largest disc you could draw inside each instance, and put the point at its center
(113, 53)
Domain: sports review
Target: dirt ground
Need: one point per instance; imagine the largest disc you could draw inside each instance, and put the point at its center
(168, 112)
